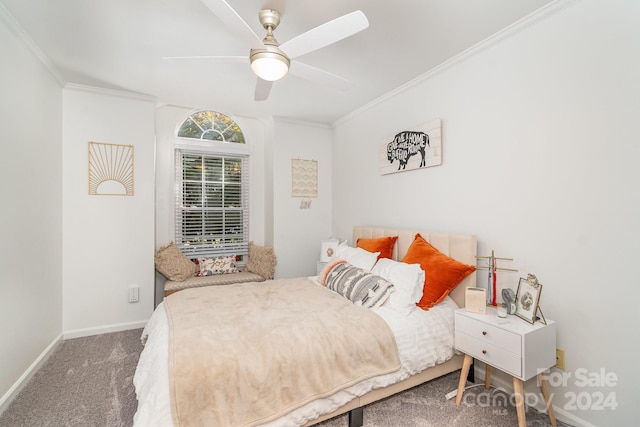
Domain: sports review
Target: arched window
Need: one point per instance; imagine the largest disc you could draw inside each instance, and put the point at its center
(212, 195)
(211, 126)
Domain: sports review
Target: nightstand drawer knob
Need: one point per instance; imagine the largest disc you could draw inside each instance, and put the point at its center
(484, 351)
(484, 332)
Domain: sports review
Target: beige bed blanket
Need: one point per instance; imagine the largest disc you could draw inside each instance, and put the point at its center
(246, 354)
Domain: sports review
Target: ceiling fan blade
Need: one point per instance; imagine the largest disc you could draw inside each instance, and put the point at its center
(325, 34)
(263, 88)
(234, 22)
(317, 75)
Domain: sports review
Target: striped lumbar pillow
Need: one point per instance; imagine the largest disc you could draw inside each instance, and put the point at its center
(357, 285)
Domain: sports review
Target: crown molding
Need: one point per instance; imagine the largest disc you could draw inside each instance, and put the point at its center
(533, 18)
(21, 34)
(110, 92)
(300, 122)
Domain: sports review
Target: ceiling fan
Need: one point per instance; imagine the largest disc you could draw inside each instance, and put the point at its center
(271, 61)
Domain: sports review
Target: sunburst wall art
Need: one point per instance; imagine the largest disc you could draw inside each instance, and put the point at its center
(110, 169)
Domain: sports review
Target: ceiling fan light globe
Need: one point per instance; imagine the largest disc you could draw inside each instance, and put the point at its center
(269, 66)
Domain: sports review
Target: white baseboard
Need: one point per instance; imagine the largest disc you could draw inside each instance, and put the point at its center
(26, 376)
(561, 414)
(77, 333)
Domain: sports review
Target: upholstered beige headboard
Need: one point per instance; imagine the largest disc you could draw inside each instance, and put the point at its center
(461, 247)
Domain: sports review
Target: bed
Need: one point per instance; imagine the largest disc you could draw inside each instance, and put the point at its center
(419, 361)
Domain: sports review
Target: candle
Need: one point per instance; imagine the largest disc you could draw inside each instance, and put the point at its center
(502, 310)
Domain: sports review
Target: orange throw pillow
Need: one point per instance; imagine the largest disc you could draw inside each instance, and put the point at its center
(384, 245)
(442, 273)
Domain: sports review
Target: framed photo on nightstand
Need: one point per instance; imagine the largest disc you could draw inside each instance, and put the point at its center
(328, 248)
(527, 299)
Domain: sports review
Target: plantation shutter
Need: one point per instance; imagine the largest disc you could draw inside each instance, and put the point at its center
(212, 204)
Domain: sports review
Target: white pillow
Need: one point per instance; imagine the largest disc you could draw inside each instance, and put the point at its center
(400, 302)
(408, 279)
(357, 257)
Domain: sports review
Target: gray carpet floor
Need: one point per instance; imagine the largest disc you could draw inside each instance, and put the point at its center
(88, 382)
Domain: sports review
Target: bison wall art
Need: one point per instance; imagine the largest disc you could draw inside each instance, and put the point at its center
(412, 149)
(406, 144)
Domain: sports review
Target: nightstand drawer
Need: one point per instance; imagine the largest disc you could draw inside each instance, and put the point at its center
(490, 334)
(486, 352)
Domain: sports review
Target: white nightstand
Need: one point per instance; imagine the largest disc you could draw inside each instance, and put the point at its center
(510, 344)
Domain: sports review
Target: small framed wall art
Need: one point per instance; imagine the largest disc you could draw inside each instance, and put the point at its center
(304, 178)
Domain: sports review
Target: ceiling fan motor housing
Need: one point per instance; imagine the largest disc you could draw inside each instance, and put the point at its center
(269, 18)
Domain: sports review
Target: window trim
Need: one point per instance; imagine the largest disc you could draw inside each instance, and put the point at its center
(215, 147)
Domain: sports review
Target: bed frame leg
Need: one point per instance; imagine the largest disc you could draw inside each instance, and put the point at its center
(356, 417)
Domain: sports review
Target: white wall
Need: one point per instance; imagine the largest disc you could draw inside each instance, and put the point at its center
(298, 232)
(107, 240)
(31, 215)
(541, 149)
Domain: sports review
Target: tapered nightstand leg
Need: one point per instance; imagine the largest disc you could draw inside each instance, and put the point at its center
(463, 377)
(544, 386)
(518, 390)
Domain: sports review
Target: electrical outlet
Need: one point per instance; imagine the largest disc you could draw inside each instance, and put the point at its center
(559, 358)
(134, 293)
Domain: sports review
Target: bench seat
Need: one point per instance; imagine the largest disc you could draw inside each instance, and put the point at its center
(171, 286)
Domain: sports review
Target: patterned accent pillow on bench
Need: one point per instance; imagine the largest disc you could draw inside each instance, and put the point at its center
(218, 265)
(357, 285)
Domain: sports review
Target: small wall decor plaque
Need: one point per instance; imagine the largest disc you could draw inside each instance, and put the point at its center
(419, 147)
(110, 169)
